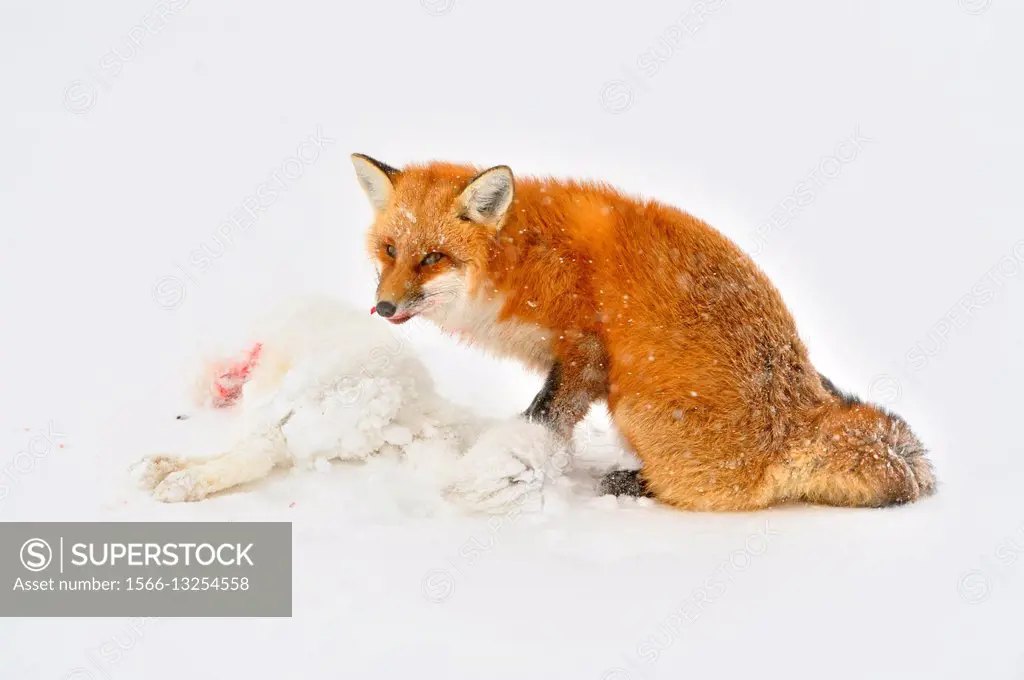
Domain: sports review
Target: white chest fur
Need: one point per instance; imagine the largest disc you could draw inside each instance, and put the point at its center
(475, 321)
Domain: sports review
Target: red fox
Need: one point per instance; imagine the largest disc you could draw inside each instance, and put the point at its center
(640, 304)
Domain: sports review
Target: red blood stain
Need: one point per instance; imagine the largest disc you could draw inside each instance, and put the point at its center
(228, 385)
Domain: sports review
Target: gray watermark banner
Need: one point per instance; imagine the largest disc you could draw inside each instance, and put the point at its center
(145, 569)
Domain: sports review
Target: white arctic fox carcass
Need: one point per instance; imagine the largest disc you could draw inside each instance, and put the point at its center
(319, 381)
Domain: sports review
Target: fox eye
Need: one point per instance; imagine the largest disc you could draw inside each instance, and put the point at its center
(431, 258)
(390, 250)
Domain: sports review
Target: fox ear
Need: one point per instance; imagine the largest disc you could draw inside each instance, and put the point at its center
(488, 196)
(375, 178)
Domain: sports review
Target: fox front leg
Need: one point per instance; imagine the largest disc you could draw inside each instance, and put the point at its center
(539, 408)
(577, 379)
(564, 400)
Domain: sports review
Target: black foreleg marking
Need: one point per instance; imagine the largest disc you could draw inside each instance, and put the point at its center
(540, 408)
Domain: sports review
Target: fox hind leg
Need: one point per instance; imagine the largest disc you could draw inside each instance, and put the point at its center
(249, 460)
(173, 479)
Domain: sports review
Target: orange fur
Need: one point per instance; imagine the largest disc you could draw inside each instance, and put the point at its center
(648, 307)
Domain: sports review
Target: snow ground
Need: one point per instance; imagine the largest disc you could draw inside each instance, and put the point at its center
(903, 271)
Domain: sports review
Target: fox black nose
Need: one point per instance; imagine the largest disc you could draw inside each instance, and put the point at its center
(386, 309)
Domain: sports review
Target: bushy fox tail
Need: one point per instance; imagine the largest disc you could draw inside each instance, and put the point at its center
(861, 455)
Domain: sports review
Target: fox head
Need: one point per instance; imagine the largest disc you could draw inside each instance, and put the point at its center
(433, 229)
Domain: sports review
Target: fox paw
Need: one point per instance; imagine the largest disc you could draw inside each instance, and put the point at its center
(506, 467)
(152, 470)
(624, 483)
(169, 478)
(183, 485)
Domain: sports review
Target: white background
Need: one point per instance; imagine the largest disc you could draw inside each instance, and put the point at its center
(108, 184)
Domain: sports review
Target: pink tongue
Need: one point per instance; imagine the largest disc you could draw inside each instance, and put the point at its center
(373, 310)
